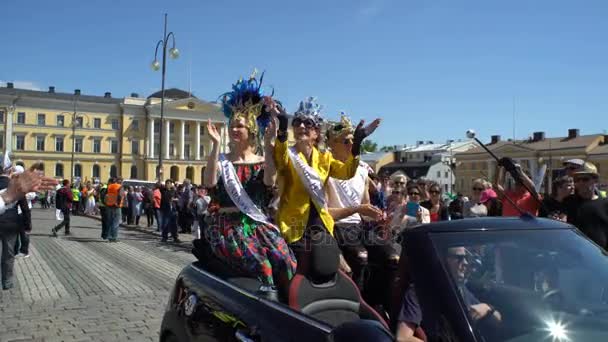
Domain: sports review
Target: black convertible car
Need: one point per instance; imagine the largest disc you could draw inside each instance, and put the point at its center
(544, 277)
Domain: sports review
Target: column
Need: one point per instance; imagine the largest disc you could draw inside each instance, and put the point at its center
(167, 139)
(151, 138)
(8, 130)
(197, 141)
(182, 139)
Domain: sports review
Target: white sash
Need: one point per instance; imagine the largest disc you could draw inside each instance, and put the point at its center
(238, 195)
(309, 178)
(345, 189)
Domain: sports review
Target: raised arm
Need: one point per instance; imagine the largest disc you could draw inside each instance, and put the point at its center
(281, 158)
(212, 168)
(270, 171)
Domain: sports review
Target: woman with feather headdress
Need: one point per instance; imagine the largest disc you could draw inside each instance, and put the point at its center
(240, 233)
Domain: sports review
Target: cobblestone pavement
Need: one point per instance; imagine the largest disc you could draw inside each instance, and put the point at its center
(81, 288)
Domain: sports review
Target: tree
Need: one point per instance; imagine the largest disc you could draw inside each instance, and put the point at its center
(369, 146)
(387, 148)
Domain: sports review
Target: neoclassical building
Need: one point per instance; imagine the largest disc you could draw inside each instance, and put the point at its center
(109, 136)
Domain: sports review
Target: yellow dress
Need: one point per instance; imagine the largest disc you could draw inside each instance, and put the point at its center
(294, 206)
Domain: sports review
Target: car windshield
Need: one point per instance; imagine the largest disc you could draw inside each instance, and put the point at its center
(533, 285)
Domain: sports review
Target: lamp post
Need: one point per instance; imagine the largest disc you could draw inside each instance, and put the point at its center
(73, 139)
(174, 53)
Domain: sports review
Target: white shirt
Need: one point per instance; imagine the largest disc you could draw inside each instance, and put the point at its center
(336, 197)
(2, 204)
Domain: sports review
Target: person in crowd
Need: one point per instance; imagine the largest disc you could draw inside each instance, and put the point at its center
(148, 205)
(410, 316)
(156, 195)
(202, 205)
(103, 212)
(168, 214)
(113, 202)
(518, 194)
(305, 170)
(572, 166)
(63, 201)
(423, 185)
(438, 211)
(412, 213)
(90, 203)
(139, 199)
(75, 200)
(585, 209)
(474, 208)
(376, 195)
(554, 206)
(186, 200)
(24, 220)
(124, 204)
(349, 205)
(398, 196)
(240, 232)
(131, 206)
(490, 200)
(11, 223)
(456, 207)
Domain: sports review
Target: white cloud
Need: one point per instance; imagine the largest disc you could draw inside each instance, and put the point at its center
(371, 8)
(23, 85)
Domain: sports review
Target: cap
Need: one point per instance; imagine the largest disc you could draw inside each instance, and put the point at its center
(587, 169)
(487, 195)
(577, 162)
(18, 169)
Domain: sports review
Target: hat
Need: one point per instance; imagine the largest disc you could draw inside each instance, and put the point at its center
(487, 195)
(18, 169)
(587, 169)
(577, 162)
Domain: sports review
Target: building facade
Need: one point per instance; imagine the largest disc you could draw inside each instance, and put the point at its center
(434, 162)
(534, 154)
(109, 136)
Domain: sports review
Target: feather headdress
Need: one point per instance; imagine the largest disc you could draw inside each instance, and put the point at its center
(246, 101)
(309, 109)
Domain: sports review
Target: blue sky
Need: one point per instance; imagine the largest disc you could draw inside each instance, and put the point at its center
(430, 68)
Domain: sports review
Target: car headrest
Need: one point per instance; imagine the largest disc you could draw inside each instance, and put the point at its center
(324, 257)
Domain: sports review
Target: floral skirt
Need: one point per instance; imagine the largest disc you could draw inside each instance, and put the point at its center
(252, 247)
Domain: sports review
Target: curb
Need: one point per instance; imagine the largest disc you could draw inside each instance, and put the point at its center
(187, 244)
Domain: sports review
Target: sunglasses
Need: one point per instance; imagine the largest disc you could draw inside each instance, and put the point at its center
(459, 257)
(400, 183)
(478, 189)
(413, 193)
(308, 123)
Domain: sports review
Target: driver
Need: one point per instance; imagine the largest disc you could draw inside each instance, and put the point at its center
(410, 315)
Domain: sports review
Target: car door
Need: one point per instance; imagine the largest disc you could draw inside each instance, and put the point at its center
(227, 312)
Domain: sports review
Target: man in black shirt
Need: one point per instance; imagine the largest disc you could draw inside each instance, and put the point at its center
(167, 212)
(585, 209)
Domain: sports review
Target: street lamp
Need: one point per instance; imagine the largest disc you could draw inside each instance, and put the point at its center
(73, 138)
(156, 65)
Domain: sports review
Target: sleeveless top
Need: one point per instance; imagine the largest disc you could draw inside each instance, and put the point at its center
(336, 197)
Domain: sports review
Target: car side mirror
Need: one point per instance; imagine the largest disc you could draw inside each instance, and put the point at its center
(361, 330)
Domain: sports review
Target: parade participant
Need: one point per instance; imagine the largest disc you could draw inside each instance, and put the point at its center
(156, 195)
(348, 204)
(474, 207)
(240, 232)
(438, 210)
(64, 201)
(554, 206)
(304, 170)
